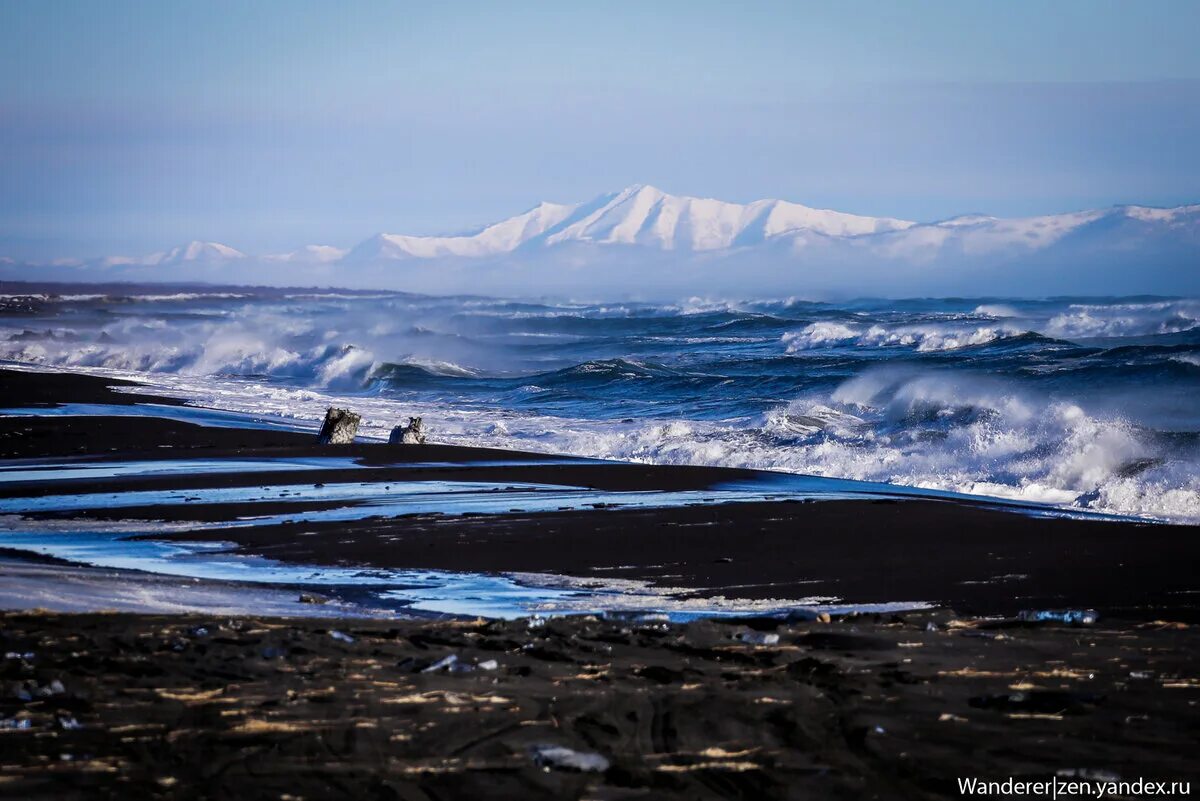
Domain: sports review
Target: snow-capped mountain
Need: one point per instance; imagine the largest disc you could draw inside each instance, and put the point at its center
(193, 252)
(501, 237)
(644, 237)
(637, 215)
(979, 235)
(196, 251)
(647, 217)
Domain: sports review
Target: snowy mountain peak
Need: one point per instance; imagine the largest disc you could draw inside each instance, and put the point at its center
(637, 236)
(645, 215)
(196, 251)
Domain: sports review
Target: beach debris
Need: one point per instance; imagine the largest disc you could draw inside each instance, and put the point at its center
(558, 757)
(411, 434)
(27, 656)
(312, 598)
(341, 636)
(1071, 617)
(824, 617)
(1141, 674)
(339, 427)
(758, 637)
(452, 664)
(14, 724)
(69, 723)
(199, 631)
(488, 664)
(445, 663)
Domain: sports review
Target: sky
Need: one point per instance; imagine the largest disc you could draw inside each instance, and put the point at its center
(129, 127)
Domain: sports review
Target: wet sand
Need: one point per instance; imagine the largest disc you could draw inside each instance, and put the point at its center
(28, 581)
(976, 558)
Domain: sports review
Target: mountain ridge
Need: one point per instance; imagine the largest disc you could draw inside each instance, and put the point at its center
(645, 216)
(641, 239)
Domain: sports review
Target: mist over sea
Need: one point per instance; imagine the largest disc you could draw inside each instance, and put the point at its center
(1085, 403)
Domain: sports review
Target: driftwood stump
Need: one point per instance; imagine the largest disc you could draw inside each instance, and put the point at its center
(339, 428)
(411, 434)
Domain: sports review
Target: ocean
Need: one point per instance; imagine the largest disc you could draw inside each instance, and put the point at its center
(1081, 403)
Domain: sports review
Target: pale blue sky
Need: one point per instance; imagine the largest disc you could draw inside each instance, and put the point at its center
(126, 127)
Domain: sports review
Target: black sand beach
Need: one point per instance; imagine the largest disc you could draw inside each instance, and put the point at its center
(894, 705)
(867, 707)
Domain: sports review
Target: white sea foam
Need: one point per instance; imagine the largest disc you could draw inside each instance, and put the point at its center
(924, 338)
(1125, 319)
(956, 433)
(1088, 444)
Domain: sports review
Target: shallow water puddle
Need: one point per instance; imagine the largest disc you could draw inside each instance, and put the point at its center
(73, 469)
(183, 414)
(395, 498)
(67, 470)
(425, 591)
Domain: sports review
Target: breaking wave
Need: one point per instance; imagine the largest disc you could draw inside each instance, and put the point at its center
(1084, 404)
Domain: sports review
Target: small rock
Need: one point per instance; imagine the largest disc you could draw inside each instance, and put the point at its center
(445, 663)
(557, 757)
(758, 638)
(312, 598)
(824, 617)
(341, 636)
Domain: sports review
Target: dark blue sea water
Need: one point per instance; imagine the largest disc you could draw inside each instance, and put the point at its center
(1079, 402)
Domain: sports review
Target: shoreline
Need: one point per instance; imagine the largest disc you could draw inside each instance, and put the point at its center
(467, 512)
